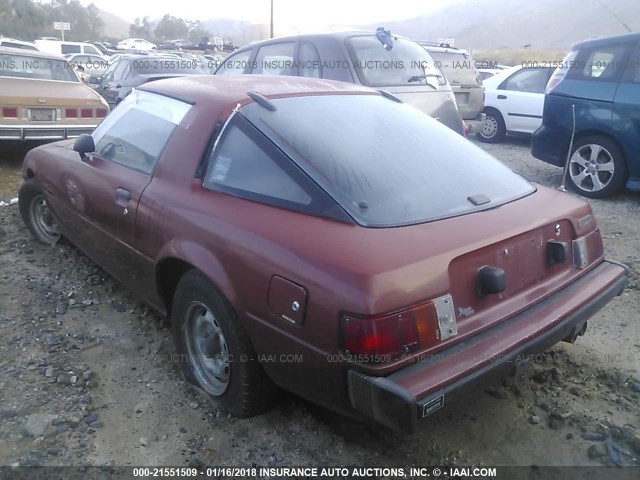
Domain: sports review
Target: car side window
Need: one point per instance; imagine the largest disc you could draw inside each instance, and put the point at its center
(127, 72)
(241, 165)
(236, 64)
(276, 59)
(67, 48)
(108, 74)
(310, 65)
(531, 80)
(91, 49)
(605, 63)
(136, 132)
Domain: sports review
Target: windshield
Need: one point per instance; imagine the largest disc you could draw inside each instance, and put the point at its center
(406, 63)
(36, 68)
(386, 163)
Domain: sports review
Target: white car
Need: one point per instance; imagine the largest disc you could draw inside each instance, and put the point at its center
(136, 44)
(514, 100)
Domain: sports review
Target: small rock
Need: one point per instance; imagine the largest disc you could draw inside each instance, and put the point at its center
(569, 436)
(97, 424)
(36, 424)
(86, 303)
(86, 375)
(534, 419)
(574, 391)
(6, 414)
(72, 302)
(194, 405)
(143, 442)
(596, 451)
(63, 379)
(635, 386)
(57, 421)
(49, 372)
(182, 430)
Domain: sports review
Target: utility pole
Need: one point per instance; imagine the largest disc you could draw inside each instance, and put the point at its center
(271, 29)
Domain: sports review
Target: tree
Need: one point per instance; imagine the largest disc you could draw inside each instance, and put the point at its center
(171, 27)
(141, 28)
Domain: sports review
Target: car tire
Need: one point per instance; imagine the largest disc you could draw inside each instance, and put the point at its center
(493, 128)
(597, 167)
(36, 214)
(214, 350)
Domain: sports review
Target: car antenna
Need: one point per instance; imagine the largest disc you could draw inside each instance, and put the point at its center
(562, 188)
(262, 101)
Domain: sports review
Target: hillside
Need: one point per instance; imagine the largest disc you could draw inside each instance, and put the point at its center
(114, 26)
(542, 24)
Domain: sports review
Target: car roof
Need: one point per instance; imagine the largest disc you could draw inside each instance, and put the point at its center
(31, 53)
(216, 93)
(598, 42)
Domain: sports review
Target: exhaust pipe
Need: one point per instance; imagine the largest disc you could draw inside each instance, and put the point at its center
(578, 331)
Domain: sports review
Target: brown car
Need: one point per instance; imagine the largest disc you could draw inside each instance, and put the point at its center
(42, 98)
(324, 238)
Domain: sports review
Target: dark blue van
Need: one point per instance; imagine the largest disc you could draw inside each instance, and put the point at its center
(600, 80)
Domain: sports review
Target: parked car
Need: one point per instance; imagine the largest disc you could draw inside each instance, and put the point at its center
(324, 238)
(136, 44)
(42, 98)
(59, 47)
(405, 69)
(513, 102)
(91, 67)
(131, 71)
(106, 49)
(600, 81)
(487, 73)
(13, 43)
(178, 44)
(465, 80)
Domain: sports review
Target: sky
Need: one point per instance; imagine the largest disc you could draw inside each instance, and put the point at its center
(297, 14)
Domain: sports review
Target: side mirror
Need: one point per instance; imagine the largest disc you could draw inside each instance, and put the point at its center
(84, 144)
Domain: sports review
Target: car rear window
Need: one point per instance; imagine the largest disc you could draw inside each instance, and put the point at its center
(37, 68)
(386, 163)
(458, 67)
(379, 67)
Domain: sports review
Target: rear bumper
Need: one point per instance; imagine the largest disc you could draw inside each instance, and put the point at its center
(400, 400)
(475, 125)
(550, 145)
(43, 132)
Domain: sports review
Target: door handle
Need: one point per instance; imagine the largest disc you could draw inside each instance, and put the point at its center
(502, 97)
(123, 195)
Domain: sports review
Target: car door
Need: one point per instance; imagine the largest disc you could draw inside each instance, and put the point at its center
(520, 98)
(626, 113)
(102, 192)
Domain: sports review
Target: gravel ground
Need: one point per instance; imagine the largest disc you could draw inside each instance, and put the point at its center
(87, 376)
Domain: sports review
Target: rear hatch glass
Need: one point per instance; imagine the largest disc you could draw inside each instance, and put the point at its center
(458, 67)
(386, 163)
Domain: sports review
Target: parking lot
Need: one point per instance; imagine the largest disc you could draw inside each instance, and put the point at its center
(89, 377)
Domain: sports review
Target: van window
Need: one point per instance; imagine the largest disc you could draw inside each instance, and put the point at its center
(69, 48)
(91, 49)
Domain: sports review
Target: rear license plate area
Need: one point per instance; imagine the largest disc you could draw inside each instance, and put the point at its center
(42, 114)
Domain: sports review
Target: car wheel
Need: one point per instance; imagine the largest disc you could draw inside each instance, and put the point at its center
(597, 167)
(493, 128)
(36, 213)
(214, 350)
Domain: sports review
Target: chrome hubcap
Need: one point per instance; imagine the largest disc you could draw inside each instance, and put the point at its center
(207, 349)
(42, 220)
(489, 127)
(591, 167)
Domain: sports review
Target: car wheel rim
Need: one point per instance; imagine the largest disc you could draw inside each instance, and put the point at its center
(42, 220)
(591, 168)
(489, 127)
(207, 349)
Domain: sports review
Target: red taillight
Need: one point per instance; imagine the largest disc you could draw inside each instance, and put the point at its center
(466, 129)
(86, 113)
(101, 112)
(10, 112)
(391, 335)
(71, 112)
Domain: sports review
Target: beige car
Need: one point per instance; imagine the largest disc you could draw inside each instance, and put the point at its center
(42, 98)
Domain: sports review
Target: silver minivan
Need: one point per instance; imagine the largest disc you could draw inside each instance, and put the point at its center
(378, 60)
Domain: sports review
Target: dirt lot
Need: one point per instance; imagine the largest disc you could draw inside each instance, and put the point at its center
(87, 377)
